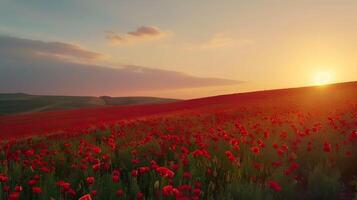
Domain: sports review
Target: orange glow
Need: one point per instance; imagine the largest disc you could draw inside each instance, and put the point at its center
(322, 78)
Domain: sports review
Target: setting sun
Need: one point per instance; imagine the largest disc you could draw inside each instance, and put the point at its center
(322, 78)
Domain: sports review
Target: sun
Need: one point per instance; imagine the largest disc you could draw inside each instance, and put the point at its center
(322, 78)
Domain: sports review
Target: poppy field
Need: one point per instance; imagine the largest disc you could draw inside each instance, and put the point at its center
(286, 144)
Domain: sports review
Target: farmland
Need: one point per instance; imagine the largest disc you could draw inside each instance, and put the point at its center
(280, 144)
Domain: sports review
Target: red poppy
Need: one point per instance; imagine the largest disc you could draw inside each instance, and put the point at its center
(119, 192)
(255, 150)
(275, 186)
(327, 147)
(115, 178)
(90, 180)
(165, 172)
(36, 190)
(94, 193)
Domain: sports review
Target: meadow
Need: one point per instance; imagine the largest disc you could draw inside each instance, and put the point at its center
(284, 144)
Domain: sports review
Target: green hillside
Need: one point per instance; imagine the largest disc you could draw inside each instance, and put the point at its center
(21, 103)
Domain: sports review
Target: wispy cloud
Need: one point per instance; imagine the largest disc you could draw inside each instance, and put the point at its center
(23, 69)
(20, 46)
(141, 34)
(219, 40)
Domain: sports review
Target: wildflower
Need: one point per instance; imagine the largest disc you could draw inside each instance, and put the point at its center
(36, 177)
(93, 192)
(115, 178)
(30, 153)
(4, 178)
(255, 150)
(106, 157)
(196, 191)
(275, 186)
(96, 167)
(165, 172)
(97, 150)
(187, 175)
(327, 147)
(230, 156)
(281, 152)
(63, 184)
(6, 188)
(71, 192)
(36, 190)
(292, 168)
(166, 190)
(18, 188)
(258, 166)
(175, 167)
(267, 134)
(14, 196)
(119, 192)
(140, 196)
(275, 146)
(277, 163)
(32, 182)
(90, 180)
(134, 173)
(116, 172)
(348, 154)
(135, 161)
(198, 184)
(143, 170)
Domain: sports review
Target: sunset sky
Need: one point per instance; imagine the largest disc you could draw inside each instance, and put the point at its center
(179, 49)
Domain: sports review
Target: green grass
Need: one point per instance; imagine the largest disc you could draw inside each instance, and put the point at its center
(21, 103)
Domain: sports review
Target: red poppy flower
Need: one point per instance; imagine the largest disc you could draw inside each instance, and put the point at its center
(275, 186)
(165, 172)
(36, 190)
(119, 192)
(255, 150)
(90, 180)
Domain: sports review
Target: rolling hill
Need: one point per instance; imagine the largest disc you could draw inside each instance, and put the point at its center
(14, 103)
(308, 98)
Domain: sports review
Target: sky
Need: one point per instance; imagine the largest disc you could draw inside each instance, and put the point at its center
(169, 48)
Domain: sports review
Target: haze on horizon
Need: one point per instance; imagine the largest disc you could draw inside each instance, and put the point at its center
(177, 49)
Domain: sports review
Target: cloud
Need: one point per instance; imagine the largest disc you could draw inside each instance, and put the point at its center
(29, 47)
(219, 40)
(22, 70)
(146, 31)
(141, 34)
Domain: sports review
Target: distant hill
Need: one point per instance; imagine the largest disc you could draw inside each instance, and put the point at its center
(134, 100)
(14, 103)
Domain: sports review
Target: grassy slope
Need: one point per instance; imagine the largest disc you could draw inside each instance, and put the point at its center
(307, 98)
(25, 103)
(135, 100)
